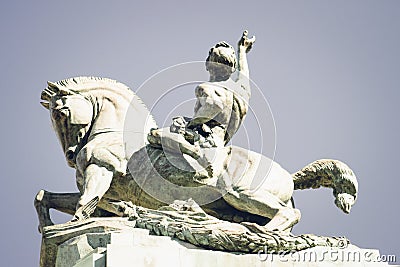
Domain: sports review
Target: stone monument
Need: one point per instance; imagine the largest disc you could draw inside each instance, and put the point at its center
(212, 215)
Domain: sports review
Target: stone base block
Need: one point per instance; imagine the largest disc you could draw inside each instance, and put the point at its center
(116, 243)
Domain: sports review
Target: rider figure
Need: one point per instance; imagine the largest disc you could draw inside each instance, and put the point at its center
(221, 106)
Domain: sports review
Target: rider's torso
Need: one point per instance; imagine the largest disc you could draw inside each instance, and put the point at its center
(234, 107)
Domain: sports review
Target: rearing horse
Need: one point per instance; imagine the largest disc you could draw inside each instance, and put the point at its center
(89, 117)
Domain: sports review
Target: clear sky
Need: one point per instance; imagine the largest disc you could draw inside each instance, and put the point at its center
(329, 70)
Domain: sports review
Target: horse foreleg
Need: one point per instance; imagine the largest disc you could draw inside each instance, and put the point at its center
(44, 201)
(97, 181)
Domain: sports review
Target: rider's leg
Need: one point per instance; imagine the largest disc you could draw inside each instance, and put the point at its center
(215, 160)
(173, 142)
(212, 159)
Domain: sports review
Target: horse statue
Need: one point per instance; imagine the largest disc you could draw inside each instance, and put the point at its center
(88, 114)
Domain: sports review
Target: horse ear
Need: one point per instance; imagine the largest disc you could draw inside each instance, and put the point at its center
(52, 86)
(57, 90)
(65, 92)
(46, 94)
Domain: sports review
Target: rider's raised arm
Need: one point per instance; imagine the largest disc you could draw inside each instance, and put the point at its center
(244, 46)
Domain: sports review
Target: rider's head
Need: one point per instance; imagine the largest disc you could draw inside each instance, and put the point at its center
(221, 61)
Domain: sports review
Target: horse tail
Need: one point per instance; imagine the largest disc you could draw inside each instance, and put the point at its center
(331, 174)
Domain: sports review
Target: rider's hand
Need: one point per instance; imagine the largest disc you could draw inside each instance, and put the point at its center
(245, 42)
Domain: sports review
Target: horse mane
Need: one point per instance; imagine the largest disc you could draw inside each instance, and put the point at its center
(76, 83)
(86, 84)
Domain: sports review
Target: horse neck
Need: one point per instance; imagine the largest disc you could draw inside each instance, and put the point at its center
(109, 114)
(125, 118)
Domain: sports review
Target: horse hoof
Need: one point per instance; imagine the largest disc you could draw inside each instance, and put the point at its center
(39, 197)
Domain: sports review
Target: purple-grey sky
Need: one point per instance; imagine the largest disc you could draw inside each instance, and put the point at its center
(329, 70)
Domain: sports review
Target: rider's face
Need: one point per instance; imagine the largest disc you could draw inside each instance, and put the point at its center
(219, 70)
(221, 62)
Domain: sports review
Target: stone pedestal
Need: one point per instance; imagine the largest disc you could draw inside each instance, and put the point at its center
(115, 242)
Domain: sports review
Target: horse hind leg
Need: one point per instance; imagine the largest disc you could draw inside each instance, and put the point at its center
(283, 216)
(44, 201)
(283, 219)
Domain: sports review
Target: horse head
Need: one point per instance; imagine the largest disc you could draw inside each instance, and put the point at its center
(71, 115)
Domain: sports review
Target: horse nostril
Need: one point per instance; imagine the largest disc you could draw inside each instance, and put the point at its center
(69, 155)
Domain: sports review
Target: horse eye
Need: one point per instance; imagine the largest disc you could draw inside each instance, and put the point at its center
(56, 114)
